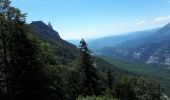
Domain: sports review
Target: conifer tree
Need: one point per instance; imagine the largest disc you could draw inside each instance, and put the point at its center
(109, 79)
(4, 37)
(89, 82)
(22, 67)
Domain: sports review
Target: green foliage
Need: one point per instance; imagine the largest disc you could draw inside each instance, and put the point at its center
(33, 66)
(137, 88)
(95, 98)
(131, 88)
(103, 66)
(89, 80)
(73, 86)
(63, 51)
(23, 66)
(109, 79)
(157, 72)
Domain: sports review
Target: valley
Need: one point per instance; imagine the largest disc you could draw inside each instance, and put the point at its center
(92, 50)
(150, 46)
(159, 73)
(145, 53)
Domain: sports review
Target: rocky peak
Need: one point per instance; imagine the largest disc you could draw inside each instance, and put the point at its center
(44, 30)
(49, 25)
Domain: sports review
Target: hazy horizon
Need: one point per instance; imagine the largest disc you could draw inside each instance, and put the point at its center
(76, 19)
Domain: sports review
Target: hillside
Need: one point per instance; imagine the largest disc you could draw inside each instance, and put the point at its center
(112, 41)
(157, 72)
(102, 65)
(37, 64)
(153, 49)
(63, 50)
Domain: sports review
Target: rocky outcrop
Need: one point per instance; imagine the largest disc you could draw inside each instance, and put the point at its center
(153, 60)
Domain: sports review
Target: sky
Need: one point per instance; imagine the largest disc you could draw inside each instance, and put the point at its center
(76, 19)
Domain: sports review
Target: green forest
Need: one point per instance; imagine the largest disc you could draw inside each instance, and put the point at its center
(34, 66)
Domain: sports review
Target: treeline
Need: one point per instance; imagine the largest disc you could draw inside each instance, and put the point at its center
(30, 71)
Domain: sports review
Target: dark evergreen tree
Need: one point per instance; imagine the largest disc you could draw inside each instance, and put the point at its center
(4, 37)
(73, 85)
(89, 81)
(137, 88)
(109, 79)
(22, 68)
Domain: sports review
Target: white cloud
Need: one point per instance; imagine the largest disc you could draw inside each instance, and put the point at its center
(140, 22)
(158, 21)
(151, 23)
(162, 18)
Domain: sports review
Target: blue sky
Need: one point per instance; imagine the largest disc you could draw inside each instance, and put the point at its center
(76, 19)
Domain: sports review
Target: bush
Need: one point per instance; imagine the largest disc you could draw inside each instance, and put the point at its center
(95, 98)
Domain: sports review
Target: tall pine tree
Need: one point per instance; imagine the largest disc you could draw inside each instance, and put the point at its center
(22, 68)
(4, 37)
(89, 81)
(109, 79)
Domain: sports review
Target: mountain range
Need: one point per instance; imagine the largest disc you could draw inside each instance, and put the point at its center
(66, 52)
(150, 46)
(113, 41)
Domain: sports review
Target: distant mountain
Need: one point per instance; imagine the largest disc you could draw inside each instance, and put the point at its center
(121, 40)
(154, 49)
(62, 49)
(162, 35)
(141, 38)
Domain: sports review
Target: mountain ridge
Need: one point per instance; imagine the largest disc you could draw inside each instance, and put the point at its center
(153, 50)
(63, 50)
(112, 41)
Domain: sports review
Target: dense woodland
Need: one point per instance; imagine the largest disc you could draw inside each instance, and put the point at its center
(39, 67)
